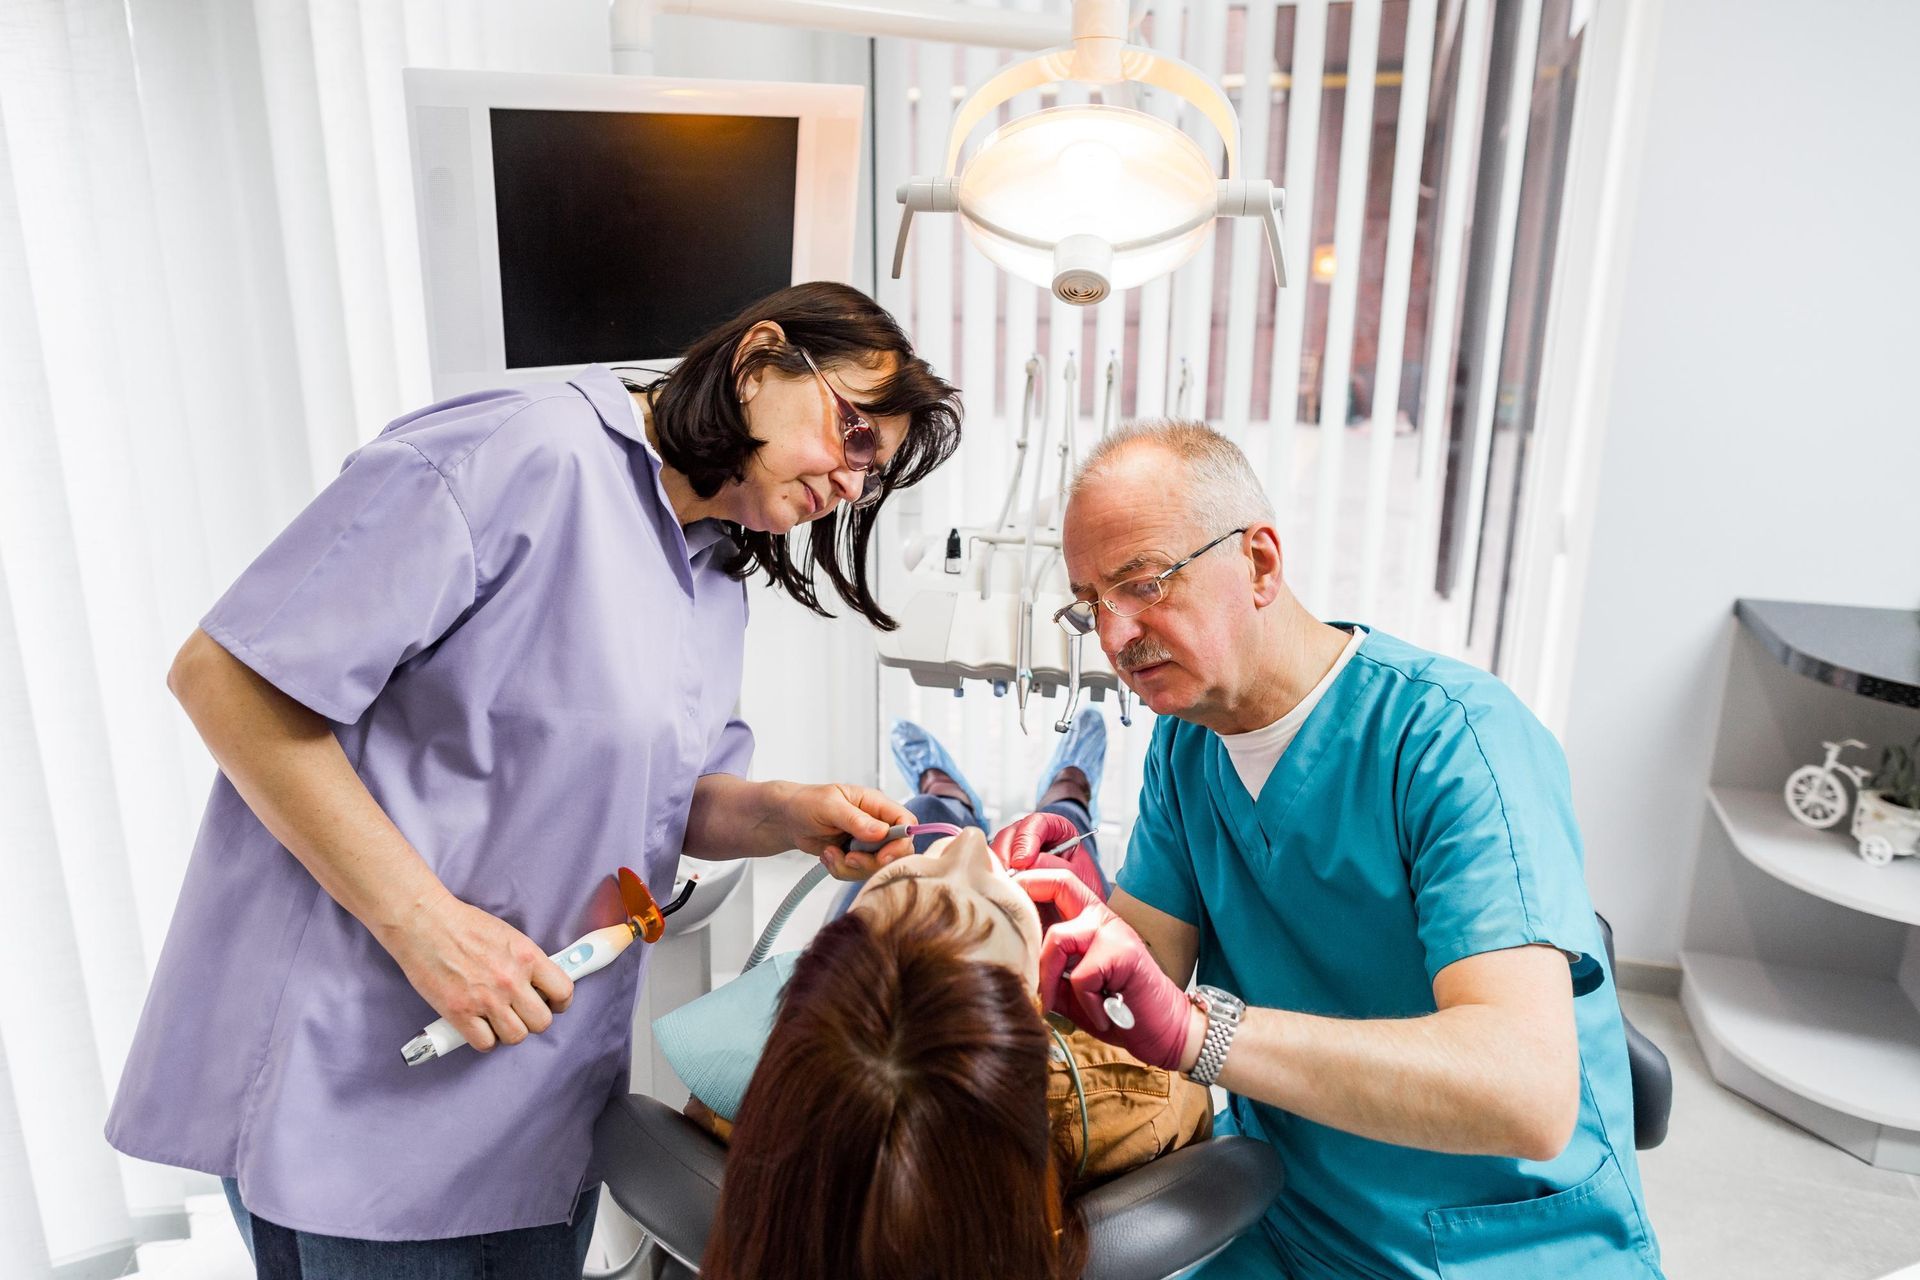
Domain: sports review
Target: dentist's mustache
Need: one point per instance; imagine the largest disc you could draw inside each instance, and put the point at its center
(1143, 652)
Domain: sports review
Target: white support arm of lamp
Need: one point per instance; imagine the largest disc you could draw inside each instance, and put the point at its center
(631, 23)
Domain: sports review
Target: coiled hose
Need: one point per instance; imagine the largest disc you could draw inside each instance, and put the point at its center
(795, 896)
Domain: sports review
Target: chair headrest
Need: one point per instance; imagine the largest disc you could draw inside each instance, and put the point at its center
(1147, 1224)
(1649, 1073)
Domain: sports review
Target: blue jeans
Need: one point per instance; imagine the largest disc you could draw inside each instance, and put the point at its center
(926, 808)
(556, 1252)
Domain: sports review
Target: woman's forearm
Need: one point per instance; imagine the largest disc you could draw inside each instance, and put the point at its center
(287, 765)
(731, 817)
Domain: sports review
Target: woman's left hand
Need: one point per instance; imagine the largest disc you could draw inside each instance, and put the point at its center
(821, 818)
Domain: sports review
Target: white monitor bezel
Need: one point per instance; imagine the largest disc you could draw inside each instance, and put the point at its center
(825, 198)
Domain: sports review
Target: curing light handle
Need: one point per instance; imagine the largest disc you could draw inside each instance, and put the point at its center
(593, 952)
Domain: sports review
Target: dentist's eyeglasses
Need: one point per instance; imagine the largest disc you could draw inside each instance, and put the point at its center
(1132, 597)
(859, 441)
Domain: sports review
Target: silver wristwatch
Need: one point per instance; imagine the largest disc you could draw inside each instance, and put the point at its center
(1223, 1010)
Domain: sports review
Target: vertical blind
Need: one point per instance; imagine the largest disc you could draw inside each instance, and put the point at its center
(1343, 389)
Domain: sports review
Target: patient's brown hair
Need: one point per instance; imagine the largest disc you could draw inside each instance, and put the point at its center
(897, 1123)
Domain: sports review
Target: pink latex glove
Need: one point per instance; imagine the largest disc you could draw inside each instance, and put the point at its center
(1092, 954)
(1022, 845)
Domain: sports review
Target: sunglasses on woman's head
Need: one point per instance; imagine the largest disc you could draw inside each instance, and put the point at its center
(859, 441)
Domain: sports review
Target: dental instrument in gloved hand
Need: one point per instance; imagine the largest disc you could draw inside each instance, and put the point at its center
(645, 919)
(1096, 970)
(1043, 840)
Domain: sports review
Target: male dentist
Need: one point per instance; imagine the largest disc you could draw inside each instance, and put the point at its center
(1370, 853)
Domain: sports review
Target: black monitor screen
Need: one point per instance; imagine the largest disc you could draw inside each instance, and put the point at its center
(626, 235)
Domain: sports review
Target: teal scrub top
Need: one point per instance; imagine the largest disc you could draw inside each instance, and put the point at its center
(1421, 816)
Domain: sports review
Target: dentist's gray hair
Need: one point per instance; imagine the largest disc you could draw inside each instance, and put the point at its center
(1221, 490)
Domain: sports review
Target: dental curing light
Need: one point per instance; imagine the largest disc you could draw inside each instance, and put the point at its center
(645, 919)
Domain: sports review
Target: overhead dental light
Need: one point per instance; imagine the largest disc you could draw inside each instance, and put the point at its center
(1087, 199)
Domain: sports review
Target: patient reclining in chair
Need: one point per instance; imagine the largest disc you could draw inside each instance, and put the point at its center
(901, 1064)
(923, 917)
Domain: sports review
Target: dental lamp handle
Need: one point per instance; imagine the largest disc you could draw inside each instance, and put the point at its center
(921, 195)
(589, 954)
(1257, 198)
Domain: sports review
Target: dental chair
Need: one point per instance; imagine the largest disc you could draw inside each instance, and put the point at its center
(1150, 1223)
(1647, 1066)
(1147, 1224)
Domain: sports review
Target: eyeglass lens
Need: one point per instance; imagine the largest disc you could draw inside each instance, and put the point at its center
(858, 438)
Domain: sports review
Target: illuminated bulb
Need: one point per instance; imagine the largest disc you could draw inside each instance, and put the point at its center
(1090, 164)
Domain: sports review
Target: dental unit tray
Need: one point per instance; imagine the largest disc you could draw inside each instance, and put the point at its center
(982, 607)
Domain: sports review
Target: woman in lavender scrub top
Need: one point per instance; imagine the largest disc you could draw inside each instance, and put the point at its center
(496, 658)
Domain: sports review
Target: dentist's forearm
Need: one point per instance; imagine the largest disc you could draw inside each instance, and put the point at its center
(1471, 1080)
(287, 765)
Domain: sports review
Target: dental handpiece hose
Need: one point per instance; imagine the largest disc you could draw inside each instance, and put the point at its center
(589, 954)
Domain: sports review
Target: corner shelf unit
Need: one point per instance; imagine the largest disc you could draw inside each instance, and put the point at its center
(1823, 863)
(1800, 963)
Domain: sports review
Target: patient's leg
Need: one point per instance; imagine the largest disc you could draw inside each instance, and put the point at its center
(1068, 784)
(1070, 797)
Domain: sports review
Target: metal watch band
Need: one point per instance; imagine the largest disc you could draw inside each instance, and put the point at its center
(1223, 1010)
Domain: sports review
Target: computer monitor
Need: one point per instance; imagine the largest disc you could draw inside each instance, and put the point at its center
(572, 219)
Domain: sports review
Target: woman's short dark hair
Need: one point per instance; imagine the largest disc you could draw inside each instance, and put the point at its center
(897, 1123)
(702, 432)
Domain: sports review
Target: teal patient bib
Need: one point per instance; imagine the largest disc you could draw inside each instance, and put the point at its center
(713, 1043)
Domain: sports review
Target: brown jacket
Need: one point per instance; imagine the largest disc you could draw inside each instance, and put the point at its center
(1135, 1113)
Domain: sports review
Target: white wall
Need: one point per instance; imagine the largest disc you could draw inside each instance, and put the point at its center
(809, 688)
(1763, 421)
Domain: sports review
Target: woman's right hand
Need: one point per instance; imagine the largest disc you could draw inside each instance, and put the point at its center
(490, 980)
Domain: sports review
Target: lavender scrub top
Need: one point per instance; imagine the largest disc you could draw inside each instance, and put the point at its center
(529, 664)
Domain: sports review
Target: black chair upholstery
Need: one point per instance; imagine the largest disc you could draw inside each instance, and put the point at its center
(1652, 1074)
(1159, 1219)
(1147, 1224)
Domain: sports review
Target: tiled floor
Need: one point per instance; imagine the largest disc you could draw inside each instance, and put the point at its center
(1738, 1194)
